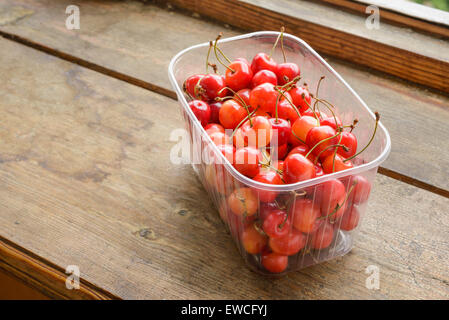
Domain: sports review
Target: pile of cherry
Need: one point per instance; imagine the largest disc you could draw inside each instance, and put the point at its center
(274, 131)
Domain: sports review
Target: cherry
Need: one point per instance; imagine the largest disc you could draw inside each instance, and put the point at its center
(301, 98)
(219, 138)
(253, 241)
(301, 128)
(201, 110)
(276, 224)
(191, 83)
(319, 139)
(350, 219)
(214, 127)
(361, 190)
(266, 208)
(333, 202)
(279, 165)
(330, 121)
(238, 75)
(305, 214)
(212, 86)
(273, 262)
(243, 202)
(349, 140)
(288, 245)
(338, 164)
(228, 151)
(247, 161)
(262, 61)
(321, 115)
(304, 150)
(215, 110)
(265, 96)
(298, 168)
(254, 132)
(268, 177)
(323, 237)
(264, 76)
(278, 152)
(286, 72)
(319, 172)
(283, 129)
(231, 114)
(286, 111)
(244, 95)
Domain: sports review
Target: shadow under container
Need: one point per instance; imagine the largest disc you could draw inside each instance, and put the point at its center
(305, 244)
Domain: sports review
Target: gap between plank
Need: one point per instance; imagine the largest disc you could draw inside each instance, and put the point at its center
(172, 95)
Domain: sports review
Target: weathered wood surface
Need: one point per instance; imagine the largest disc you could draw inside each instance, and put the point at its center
(397, 51)
(406, 13)
(85, 179)
(127, 37)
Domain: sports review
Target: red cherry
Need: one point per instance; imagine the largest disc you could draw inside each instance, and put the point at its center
(264, 76)
(349, 140)
(268, 177)
(330, 121)
(298, 168)
(318, 169)
(191, 83)
(243, 202)
(264, 96)
(338, 165)
(210, 86)
(266, 208)
(262, 61)
(301, 128)
(279, 152)
(247, 161)
(240, 76)
(333, 202)
(322, 238)
(286, 72)
(305, 214)
(361, 190)
(273, 262)
(214, 127)
(283, 129)
(276, 224)
(304, 150)
(228, 151)
(244, 95)
(201, 110)
(286, 111)
(310, 113)
(253, 241)
(297, 94)
(318, 134)
(231, 114)
(256, 133)
(288, 245)
(350, 219)
(215, 110)
(219, 138)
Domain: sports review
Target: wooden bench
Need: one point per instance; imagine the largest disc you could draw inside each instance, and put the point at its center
(85, 119)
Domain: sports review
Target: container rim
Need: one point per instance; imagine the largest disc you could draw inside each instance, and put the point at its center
(286, 187)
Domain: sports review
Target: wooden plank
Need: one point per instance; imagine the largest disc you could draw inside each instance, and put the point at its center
(428, 20)
(100, 48)
(411, 56)
(85, 180)
(14, 289)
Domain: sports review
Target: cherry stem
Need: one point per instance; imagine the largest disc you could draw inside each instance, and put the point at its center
(370, 140)
(335, 153)
(354, 123)
(288, 100)
(241, 100)
(282, 44)
(294, 134)
(216, 54)
(290, 83)
(328, 105)
(324, 140)
(338, 206)
(336, 146)
(211, 44)
(310, 107)
(242, 122)
(276, 42)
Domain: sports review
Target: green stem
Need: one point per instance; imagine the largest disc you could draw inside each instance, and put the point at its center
(370, 140)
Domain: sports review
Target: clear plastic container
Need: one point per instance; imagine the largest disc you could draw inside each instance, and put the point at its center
(335, 236)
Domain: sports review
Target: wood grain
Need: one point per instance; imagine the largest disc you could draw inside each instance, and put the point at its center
(414, 57)
(85, 180)
(100, 44)
(407, 14)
